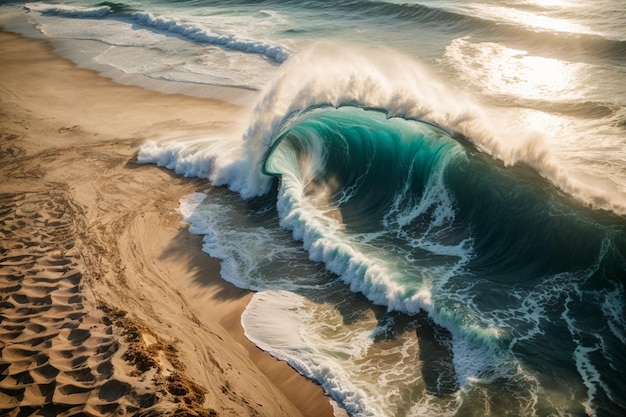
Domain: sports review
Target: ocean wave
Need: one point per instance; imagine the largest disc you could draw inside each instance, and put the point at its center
(418, 219)
(196, 33)
(334, 75)
(404, 191)
(353, 181)
(400, 87)
(450, 209)
(179, 27)
(69, 11)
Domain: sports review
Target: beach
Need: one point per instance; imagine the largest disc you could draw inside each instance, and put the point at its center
(369, 208)
(109, 305)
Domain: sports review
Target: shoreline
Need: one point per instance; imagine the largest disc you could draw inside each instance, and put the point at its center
(68, 144)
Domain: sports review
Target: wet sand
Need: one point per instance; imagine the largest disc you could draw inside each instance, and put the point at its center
(108, 305)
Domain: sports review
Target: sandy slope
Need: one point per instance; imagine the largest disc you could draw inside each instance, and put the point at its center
(107, 303)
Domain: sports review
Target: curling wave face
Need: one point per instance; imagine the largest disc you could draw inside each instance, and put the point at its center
(404, 191)
(417, 219)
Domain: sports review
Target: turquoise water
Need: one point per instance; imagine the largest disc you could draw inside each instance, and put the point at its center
(428, 197)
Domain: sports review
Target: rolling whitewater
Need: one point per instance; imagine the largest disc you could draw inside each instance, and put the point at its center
(429, 197)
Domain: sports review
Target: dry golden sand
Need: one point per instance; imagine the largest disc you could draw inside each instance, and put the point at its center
(108, 306)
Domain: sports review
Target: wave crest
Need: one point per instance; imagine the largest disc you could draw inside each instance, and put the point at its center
(69, 11)
(196, 33)
(189, 30)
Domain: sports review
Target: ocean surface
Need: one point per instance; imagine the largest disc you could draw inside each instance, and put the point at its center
(429, 197)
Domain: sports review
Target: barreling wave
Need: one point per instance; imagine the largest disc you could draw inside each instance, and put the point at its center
(334, 75)
(391, 171)
(189, 30)
(417, 219)
(403, 190)
(422, 194)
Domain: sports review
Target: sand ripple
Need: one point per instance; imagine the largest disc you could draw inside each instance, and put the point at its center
(59, 355)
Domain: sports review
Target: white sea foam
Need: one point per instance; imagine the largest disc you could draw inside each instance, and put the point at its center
(216, 159)
(342, 358)
(198, 33)
(190, 30)
(69, 11)
(240, 263)
(613, 308)
(362, 271)
(590, 376)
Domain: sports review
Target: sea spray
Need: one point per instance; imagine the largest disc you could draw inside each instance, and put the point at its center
(331, 75)
(328, 74)
(336, 75)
